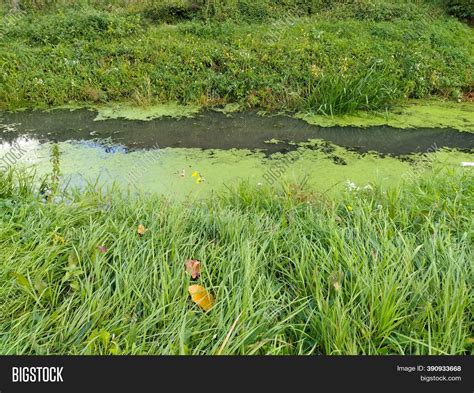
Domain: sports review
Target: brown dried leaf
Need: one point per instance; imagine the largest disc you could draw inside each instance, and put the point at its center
(193, 267)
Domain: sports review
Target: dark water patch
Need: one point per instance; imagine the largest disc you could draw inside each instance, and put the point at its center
(212, 130)
(106, 145)
(338, 160)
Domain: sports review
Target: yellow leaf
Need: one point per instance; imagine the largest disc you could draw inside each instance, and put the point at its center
(201, 297)
(141, 230)
(58, 239)
(194, 174)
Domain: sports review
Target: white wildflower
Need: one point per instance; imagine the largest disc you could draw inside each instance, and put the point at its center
(351, 186)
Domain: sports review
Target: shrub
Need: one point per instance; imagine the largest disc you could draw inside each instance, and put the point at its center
(73, 25)
(171, 12)
(463, 9)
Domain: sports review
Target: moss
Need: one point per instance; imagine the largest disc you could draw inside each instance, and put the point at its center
(414, 114)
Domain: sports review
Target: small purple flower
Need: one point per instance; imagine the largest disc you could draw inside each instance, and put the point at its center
(102, 249)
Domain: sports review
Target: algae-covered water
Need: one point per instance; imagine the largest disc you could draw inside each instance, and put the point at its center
(211, 151)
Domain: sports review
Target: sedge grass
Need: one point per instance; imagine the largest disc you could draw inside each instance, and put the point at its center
(370, 272)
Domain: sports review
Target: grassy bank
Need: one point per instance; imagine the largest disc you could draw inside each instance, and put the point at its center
(323, 57)
(374, 272)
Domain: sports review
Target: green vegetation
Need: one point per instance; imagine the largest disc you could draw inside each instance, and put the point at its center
(413, 114)
(380, 269)
(145, 113)
(463, 9)
(373, 271)
(317, 56)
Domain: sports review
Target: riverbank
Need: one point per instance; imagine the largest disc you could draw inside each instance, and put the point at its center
(377, 271)
(332, 60)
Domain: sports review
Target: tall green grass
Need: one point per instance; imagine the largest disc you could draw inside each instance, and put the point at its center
(340, 57)
(372, 272)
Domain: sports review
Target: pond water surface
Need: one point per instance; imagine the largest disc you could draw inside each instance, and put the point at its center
(193, 156)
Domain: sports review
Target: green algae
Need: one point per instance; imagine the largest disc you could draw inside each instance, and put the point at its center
(121, 111)
(229, 108)
(170, 171)
(415, 114)
(411, 114)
